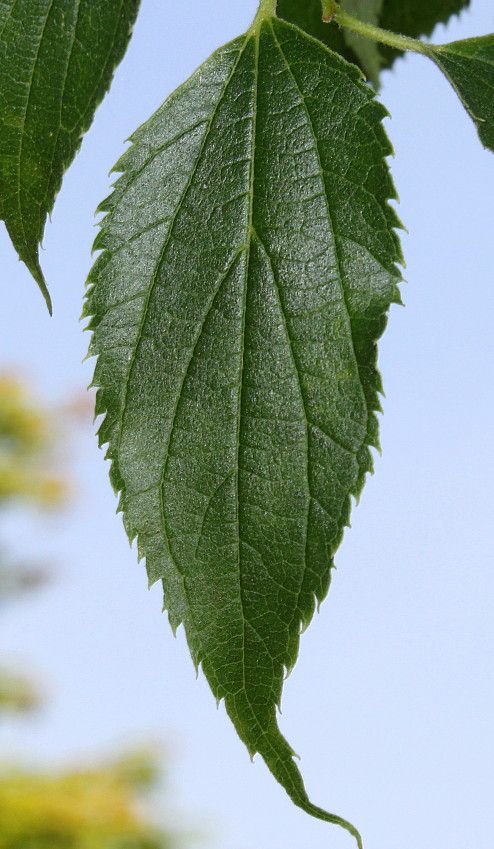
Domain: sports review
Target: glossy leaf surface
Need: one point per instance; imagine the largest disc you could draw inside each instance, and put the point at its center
(247, 268)
(57, 59)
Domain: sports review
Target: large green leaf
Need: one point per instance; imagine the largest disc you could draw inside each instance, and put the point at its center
(415, 18)
(57, 59)
(469, 66)
(248, 264)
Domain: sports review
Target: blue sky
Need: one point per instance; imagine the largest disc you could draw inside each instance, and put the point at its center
(390, 703)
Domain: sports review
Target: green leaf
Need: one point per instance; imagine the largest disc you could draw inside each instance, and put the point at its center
(412, 18)
(57, 59)
(415, 18)
(362, 51)
(366, 50)
(469, 66)
(307, 15)
(247, 268)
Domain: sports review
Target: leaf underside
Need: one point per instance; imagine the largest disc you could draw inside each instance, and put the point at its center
(469, 66)
(57, 59)
(247, 266)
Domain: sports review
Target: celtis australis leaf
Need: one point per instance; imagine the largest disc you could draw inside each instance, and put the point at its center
(57, 59)
(469, 66)
(247, 268)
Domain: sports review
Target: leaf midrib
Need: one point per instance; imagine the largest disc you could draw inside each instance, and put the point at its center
(62, 92)
(26, 110)
(223, 276)
(242, 352)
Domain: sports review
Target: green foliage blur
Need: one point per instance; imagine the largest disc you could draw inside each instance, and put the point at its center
(27, 459)
(81, 809)
(86, 808)
(26, 449)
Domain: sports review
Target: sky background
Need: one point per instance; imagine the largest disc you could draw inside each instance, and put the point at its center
(391, 702)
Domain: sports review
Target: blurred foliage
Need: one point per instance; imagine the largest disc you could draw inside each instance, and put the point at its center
(83, 809)
(18, 578)
(16, 692)
(27, 457)
(97, 808)
(26, 448)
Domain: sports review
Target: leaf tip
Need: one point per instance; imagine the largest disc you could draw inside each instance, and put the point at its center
(32, 264)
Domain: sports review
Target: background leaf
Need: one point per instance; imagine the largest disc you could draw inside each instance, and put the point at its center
(308, 16)
(469, 66)
(415, 18)
(248, 264)
(361, 51)
(365, 49)
(57, 59)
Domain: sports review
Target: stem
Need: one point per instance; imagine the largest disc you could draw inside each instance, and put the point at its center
(267, 9)
(333, 12)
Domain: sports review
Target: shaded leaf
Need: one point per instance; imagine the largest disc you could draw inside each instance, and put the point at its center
(248, 264)
(307, 16)
(415, 18)
(85, 808)
(365, 49)
(469, 66)
(362, 51)
(57, 59)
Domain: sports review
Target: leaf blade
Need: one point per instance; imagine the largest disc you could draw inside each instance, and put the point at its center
(235, 317)
(56, 63)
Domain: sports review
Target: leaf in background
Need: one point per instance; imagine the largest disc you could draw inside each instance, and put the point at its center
(57, 59)
(362, 51)
(365, 49)
(247, 268)
(307, 15)
(415, 18)
(469, 66)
